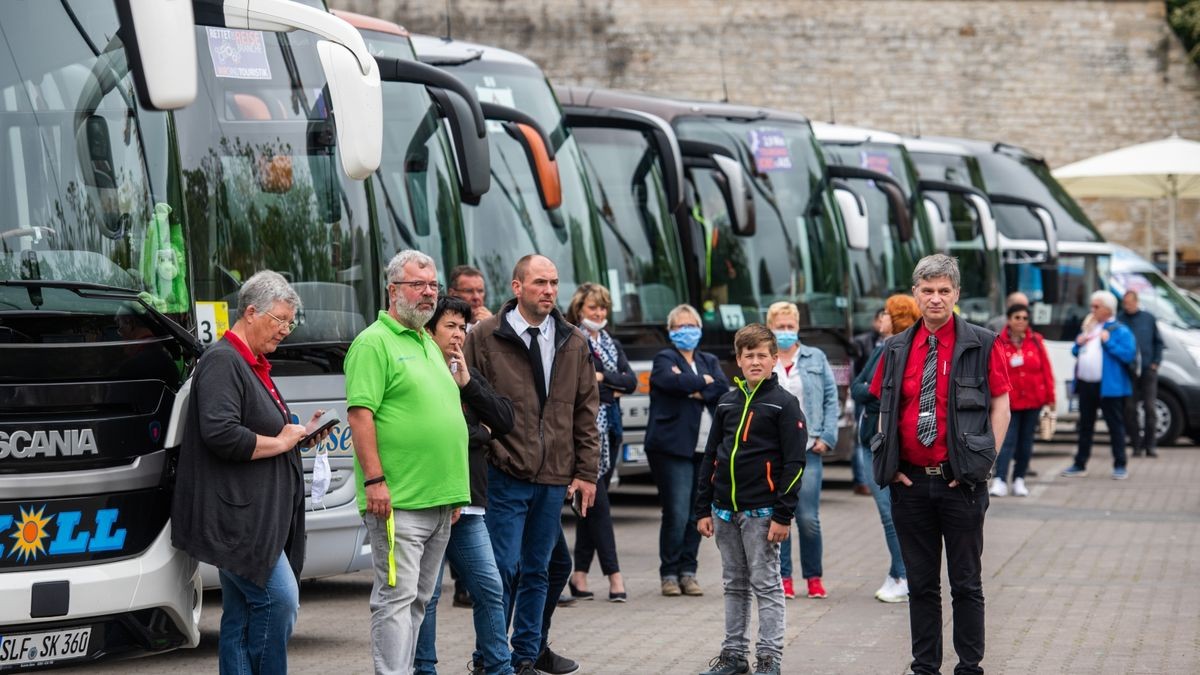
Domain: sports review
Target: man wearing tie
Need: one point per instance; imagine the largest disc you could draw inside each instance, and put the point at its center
(542, 364)
(943, 389)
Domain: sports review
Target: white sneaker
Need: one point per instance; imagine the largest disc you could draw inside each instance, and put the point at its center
(1019, 489)
(999, 489)
(893, 590)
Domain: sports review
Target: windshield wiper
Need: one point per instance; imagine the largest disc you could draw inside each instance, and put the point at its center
(85, 289)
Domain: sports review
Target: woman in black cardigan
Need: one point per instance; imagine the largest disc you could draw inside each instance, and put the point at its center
(239, 492)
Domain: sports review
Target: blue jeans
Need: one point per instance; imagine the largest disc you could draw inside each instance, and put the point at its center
(469, 552)
(524, 522)
(808, 522)
(256, 621)
(1018, 443)
(883, 503)
(678, 540)
(860, 463)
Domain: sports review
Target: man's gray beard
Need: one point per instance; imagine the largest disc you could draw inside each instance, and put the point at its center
(412, 317)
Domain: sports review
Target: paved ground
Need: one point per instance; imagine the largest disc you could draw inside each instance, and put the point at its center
(1087, 575)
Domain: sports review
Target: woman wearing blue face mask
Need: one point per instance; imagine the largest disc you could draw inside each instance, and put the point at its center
(684, 387)
(805, 372)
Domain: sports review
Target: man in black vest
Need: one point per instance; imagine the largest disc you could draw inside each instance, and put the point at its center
(943, 389)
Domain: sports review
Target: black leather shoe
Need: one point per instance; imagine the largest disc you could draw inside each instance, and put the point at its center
(553, 664)
(462, 598)
(576, 593)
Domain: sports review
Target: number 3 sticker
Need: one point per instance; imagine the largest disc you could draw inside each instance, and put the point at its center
(212, 320)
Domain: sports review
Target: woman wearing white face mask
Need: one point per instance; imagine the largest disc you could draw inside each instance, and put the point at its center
(805, 372)
(588, 309)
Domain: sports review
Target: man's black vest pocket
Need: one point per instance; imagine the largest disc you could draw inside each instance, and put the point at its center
(975, 465)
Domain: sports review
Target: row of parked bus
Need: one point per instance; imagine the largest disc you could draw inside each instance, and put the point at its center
(145, 174)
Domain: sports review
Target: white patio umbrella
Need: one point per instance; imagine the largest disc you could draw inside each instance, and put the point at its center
(1168, 169)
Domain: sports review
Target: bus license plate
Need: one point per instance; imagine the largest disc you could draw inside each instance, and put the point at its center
(635, 453)
(38, 647)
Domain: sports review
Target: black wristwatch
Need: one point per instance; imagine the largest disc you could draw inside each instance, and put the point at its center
(373, 481)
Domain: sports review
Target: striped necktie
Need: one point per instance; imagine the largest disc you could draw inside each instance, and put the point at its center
(927, 419)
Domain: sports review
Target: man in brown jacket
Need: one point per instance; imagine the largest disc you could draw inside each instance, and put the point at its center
(542, 364)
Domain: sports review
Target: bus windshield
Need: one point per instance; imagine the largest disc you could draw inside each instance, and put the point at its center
(962, 234)
(263, 190)
(1030, 178)
(886, 266)
(509, 221)
(416, 186)
(641, 244)
(797, 252)
(84, 191)
(1079, 275)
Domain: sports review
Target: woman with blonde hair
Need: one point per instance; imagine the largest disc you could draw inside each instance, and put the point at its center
(904, 313)
(805, 372)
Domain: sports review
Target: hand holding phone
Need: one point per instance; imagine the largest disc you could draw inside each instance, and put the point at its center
(319, 425)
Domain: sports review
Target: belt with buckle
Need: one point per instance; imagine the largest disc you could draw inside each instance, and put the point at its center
(940, 469)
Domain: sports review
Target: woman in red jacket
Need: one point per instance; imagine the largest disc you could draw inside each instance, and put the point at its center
(1033, 387)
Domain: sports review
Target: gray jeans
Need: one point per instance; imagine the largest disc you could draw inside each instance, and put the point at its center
(750, 563)
(397, 611)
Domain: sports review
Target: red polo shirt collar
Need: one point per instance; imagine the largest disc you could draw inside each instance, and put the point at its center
(259, 364)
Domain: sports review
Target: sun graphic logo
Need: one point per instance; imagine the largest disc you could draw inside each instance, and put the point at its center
(29, 534)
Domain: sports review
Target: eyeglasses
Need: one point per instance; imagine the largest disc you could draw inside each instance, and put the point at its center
(291, 325)
(419, 285)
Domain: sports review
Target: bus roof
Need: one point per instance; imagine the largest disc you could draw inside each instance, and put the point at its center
(670, 108)
(440, 51)
(935, 147)
(364, 22)
(841, 133)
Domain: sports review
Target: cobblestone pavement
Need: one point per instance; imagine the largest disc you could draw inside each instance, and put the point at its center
(1087, 575)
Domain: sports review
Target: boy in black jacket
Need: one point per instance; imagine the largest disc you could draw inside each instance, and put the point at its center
(750, 482)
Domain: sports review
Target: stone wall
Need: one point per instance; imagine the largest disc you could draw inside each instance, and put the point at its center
(1066, 78)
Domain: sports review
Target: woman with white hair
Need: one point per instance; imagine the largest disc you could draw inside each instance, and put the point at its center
(1104, 349)
(239, 490)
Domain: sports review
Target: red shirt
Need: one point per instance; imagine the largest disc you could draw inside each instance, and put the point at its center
(911, 450)
(259, 364)
(1030, 371)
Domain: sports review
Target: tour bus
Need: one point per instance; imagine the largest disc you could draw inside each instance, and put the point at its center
(97, 317)
(1049, 249)
(635, 168)
(539, 201)
(769, 231)
(1179, 325)
(896, 240)
(339, 236)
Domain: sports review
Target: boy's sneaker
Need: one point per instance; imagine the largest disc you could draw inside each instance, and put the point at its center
(1120, 474)
(789, 590)
(728, 662)
(999, 489)
(765, 664)
(1073, 472)
(689, 586)
(815, 588)
(554, 664)
(1019, 489)
(476, 667)
(670, 588)
(893, 590)
(525, 668)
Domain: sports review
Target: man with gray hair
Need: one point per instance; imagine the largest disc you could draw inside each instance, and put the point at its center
(937, 458)
(410, 445)
(1104, 349)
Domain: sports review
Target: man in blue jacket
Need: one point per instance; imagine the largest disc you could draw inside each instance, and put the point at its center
(1144, 326)
(1104, 350)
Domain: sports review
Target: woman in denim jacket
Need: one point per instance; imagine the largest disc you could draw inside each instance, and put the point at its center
(804, 371)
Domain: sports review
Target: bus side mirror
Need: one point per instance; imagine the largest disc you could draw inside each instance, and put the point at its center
(938, 222)
(160, 44)
(545, 169)
(472, 152)
(891, 190)
(735, 189)
(357, 107)
(854, 215)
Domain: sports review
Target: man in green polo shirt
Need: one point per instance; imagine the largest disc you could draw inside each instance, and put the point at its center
(410, 445)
